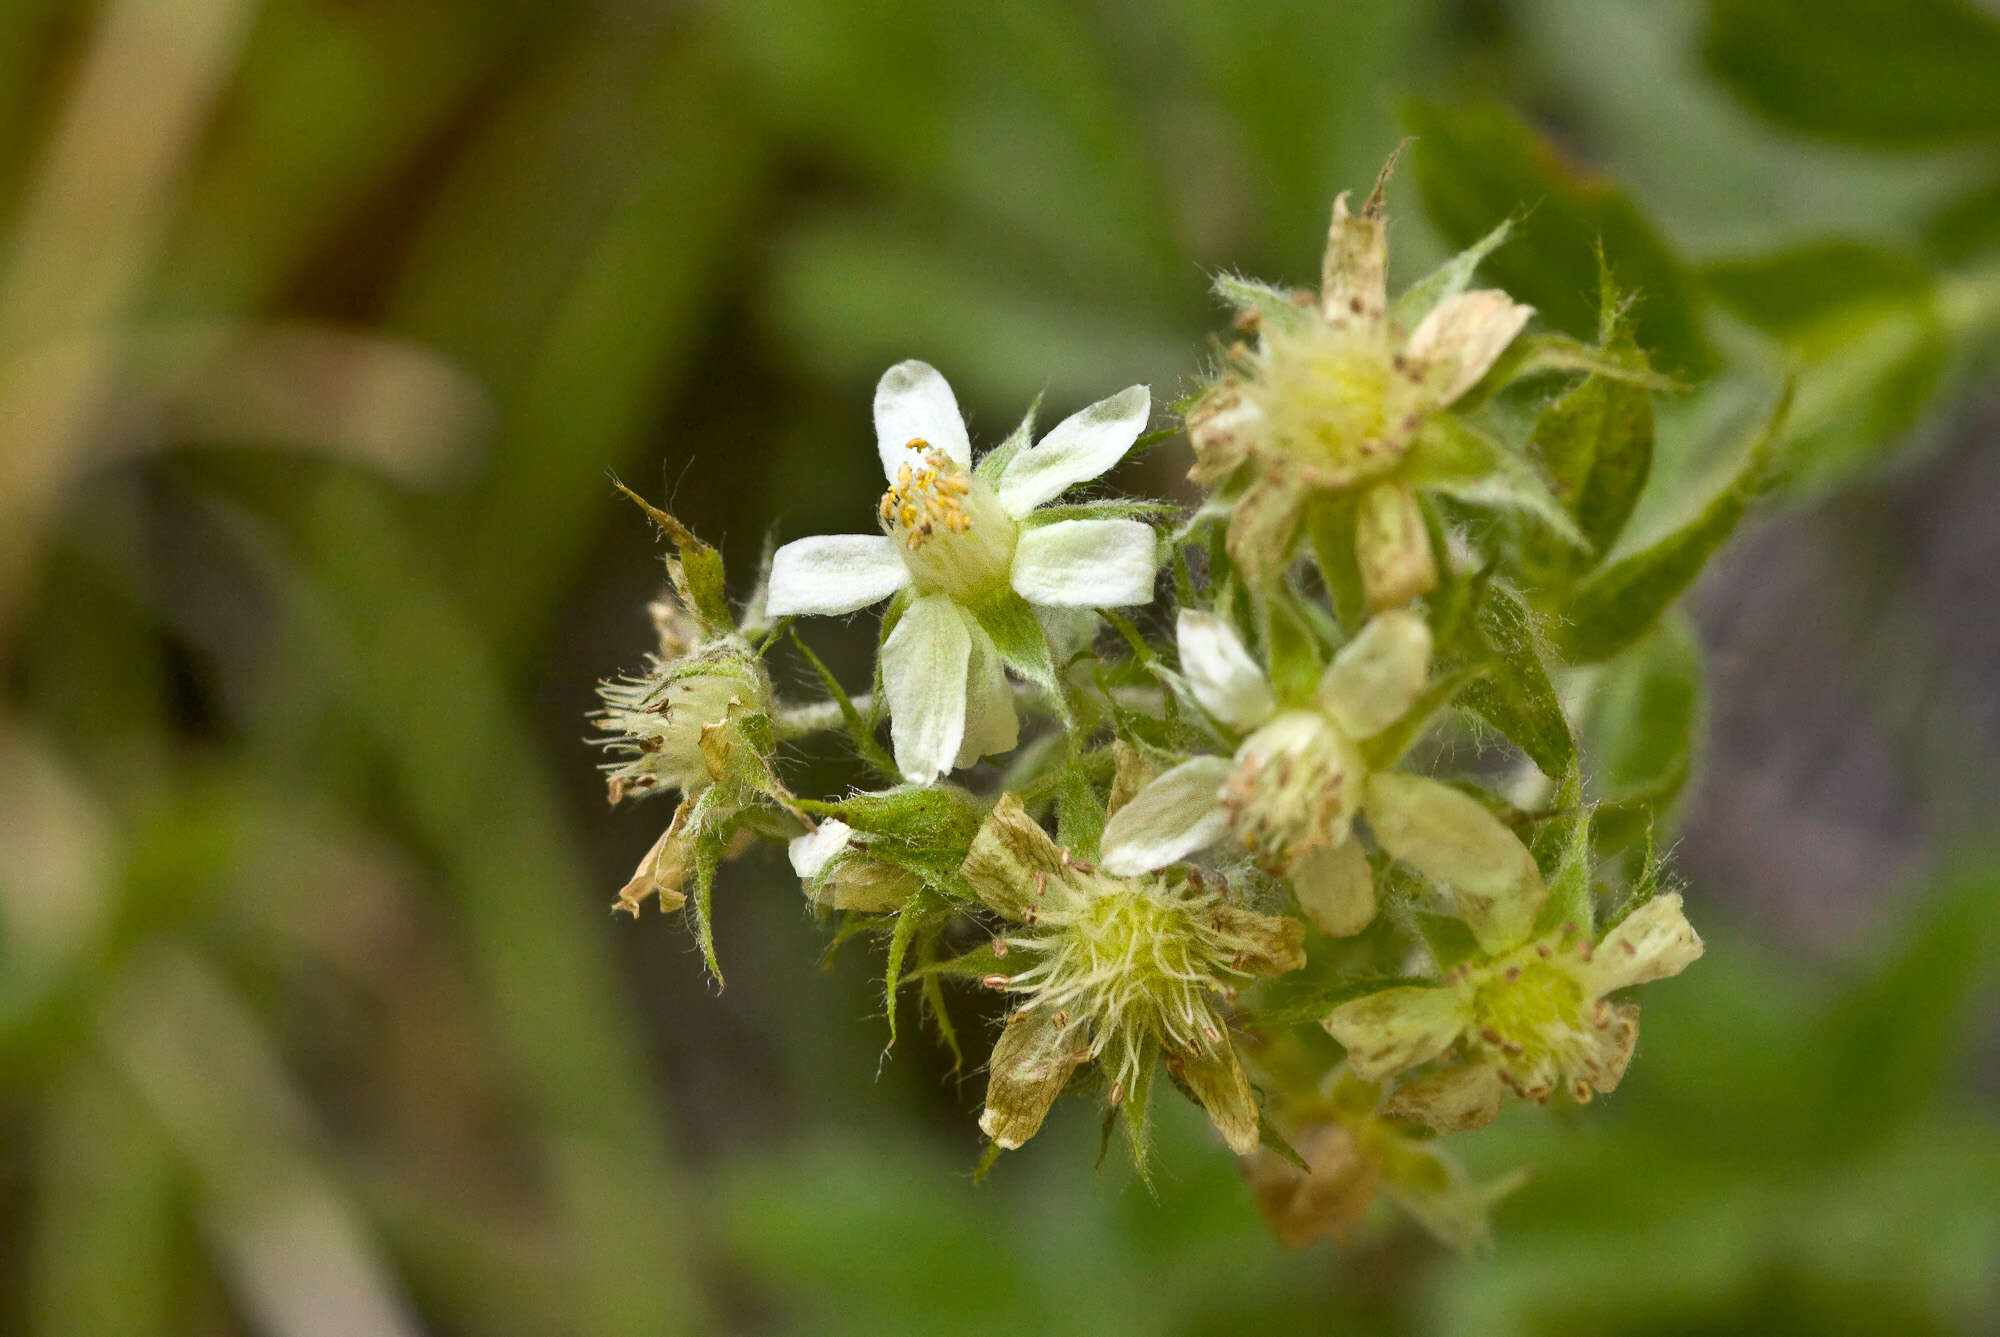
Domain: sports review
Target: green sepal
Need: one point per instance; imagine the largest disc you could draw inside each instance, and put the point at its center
(1453, 457)
(1620, 602)
(1562, 850)
(934, 1002)
(926, 829)
(1330, 530)
(858, 731)
(1448, 280)
(1385, 749)
(1449, 938)
(1516, 696)
(996, 460)
(1099, 510)
(697, 576)
(710, 839)
(1271, 304)
(1292, 651)
(920, 913)
(1269, 1136)
(1017, 634)
(1080, 813)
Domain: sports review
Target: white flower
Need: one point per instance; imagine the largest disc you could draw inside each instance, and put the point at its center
(965, 544)
(1291, 791)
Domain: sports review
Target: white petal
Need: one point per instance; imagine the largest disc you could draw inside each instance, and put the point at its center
(1377, 675)
(913, 403)
(1226, 680)
(1448, 835)
(811, 852)
(991, 726)
(1168, 820)
(1078, 448)
(834, 573)
(923, 674)
(1336, 889)
(1462, 337)
(1086, 564)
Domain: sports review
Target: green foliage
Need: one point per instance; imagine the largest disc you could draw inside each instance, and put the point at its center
(1478, 166)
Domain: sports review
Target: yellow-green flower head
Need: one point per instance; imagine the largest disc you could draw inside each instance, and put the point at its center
(1332, 398)
(1115, 970)
(1290, 793)
(1535, 1020)
(681, 724)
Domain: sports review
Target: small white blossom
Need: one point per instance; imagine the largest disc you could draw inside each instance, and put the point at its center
(1291, 791)
(958, 539)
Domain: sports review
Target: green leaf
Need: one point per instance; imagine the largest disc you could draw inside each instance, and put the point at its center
(1515, 696)
(1448, 279)
(1891, 1041)
(1476, 166)
(1455, 458)
(1616, 605)
(1789, 292)
(1907, 74)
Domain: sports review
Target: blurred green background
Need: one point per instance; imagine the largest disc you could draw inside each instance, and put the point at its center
(322, 323)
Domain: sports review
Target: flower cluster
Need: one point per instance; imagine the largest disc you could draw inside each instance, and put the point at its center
(1222, 835)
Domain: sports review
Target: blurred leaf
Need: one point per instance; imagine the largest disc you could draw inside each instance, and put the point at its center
(1789, 292)
(469, 784)
(1909, 74)
(1616, 605)
(1887, 1049)
(1641, 728)
(1478, 166)
(106, 1226)
(1966, 227)
(1867, 330)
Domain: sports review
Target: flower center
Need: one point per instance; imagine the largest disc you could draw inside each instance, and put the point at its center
(1337, 400)
(1526, 1015)
(955, 535)
(1294, 788)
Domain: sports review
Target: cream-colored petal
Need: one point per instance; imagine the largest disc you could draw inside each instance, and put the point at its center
(1225, 679)
(1335, 888)
(1261, 944)
(991, 726)
(1456, 1099)
(1012, 860)
(923, 675)
(1354, 275)
(1392, 547)
(1031, 1063)
(1398, 1028)
(1086, 564)
(914, 403)
(1224, 427)
(834, 573)
(1264, 527)
(1081, 447)
(1462, 337)
(1451, 837)
(1169, 819)
(1652, 943)
(1378, 675)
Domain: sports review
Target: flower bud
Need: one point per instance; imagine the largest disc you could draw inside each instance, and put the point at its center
(838, 874)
